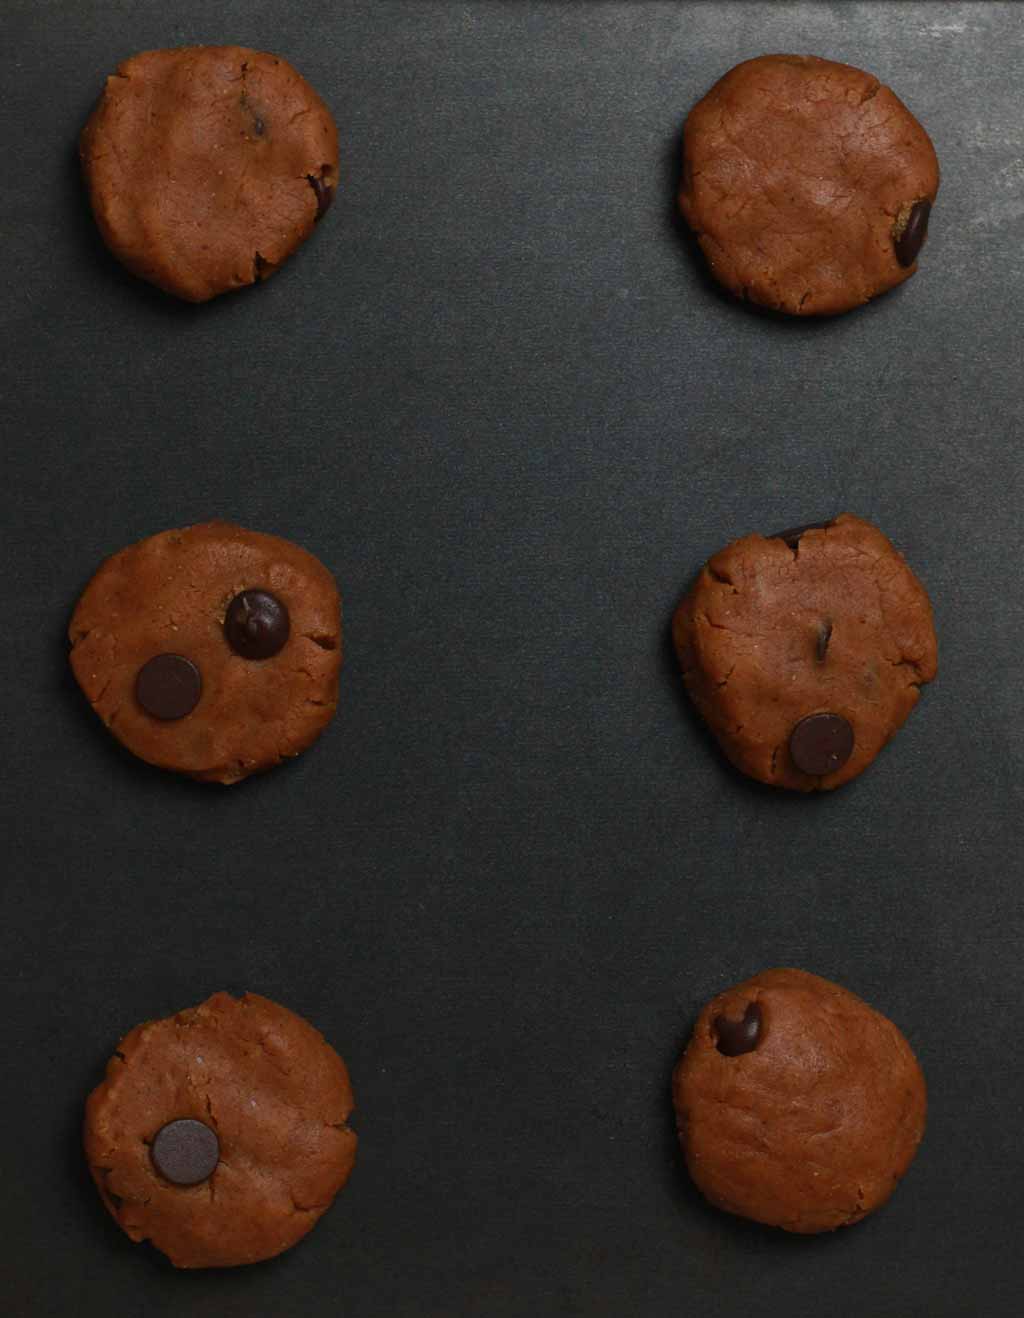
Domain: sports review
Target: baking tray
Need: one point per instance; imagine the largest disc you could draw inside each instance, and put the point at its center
(497, 396)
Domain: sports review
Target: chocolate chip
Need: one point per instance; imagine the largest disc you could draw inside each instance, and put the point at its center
(256, 624)
(824, 636)
(168, 686)
(259, 126)
(821, 743)
(908, 243)
(324, 196)
(185, 1152)
(792, 536)
(736, 1037)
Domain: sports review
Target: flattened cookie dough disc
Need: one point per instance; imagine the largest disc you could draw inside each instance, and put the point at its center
(212, 651)
(812, 1119)
(207, 166)
(220, 1134)
(804, 651)
(808, 184)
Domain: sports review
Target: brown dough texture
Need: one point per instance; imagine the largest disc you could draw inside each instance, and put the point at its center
(168, 594)
(749, 636)
(207, 166)
(798, 176)
(278, 1097)
(811, 1130)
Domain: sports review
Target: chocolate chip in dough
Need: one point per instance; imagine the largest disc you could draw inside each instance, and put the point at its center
(256, 624)
(793, 534)
(168, 686)
(742, 1036)
(821, 743)
(324, 195)
(185, 1152)
(911, 238)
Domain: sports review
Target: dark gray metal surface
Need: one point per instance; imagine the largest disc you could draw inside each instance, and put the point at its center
(497, 396)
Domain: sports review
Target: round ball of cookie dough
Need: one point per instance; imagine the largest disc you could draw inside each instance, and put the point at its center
(207, 166)
(807, 183)
(212, 651)
(797, 1104)
(220, 1134)
(804, 652)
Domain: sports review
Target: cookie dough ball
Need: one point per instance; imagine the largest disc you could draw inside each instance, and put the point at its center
(805, 651)
(807, 183)
(220, 1134)
(212, 651)
(797, 1104)
(207, 166)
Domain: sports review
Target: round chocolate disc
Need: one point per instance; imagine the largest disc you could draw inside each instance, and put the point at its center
(736, 1037)
(168, 686)
(185, 1152)
(256, 624)
(821, 743)
(910, 241)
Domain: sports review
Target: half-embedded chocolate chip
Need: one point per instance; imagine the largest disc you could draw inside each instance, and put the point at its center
(259, 126)
(256, 624)
(185, 1152)
(908, 243)
(821, 743)
(792, 536)
(168, 686)
(736, 1037)
(324, 196)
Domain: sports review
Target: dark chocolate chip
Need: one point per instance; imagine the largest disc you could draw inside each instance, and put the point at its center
(324, 196)
(168, 686)
(792, 536)
(821, 743)
(185, 1152)
(256, 624)
(824, 636)
(736, 1037)
(910, 241)
(259, 126)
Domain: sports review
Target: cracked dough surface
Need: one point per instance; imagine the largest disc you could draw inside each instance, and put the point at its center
(278, 1097)
(815, 1127)
(797, 171)
(168, 594)
(749, 635)
(199, 163)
